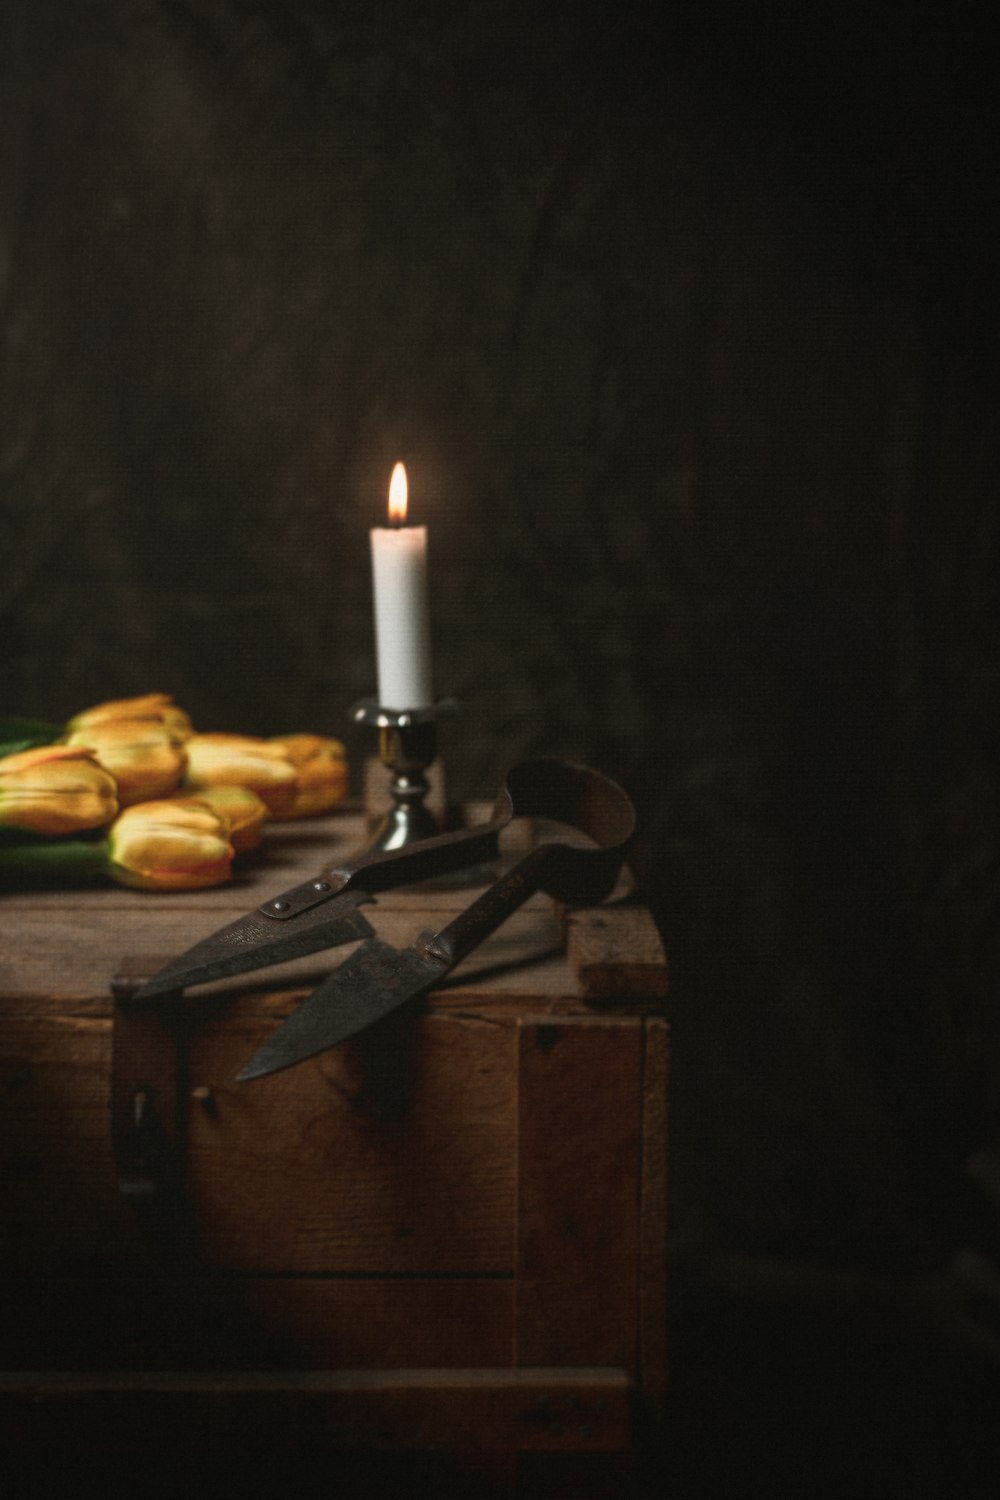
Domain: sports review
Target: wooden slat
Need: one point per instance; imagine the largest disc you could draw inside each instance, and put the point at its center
(61, 1205)
(155, 1320)
(313, 1170)
(393, 1153)
(616, 954)
(578, 1190)
(471, 1410)
(50, 1064)
(289, 852)
(652, 1295)
(123, 1319)
(383, 1324)
(63, 960)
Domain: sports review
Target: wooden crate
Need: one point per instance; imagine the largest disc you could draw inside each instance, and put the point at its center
(445, 1234)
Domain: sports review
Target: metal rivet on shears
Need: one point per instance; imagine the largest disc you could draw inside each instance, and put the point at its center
(280, 905)
(321, 885)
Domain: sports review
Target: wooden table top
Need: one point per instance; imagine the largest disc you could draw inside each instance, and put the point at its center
(60, 950)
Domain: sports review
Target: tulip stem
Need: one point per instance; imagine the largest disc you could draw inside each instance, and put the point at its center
(48, 862)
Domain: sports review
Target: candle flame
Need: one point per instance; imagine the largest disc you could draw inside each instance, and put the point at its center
(397, 496)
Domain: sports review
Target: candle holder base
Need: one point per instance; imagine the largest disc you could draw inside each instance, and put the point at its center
(407, 741)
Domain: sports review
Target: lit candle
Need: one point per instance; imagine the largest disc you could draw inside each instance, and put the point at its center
(402, 619)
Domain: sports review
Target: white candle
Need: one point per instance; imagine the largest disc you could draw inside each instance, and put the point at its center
(402, 617)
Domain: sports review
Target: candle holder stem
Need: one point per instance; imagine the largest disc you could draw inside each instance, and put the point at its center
(407, 741)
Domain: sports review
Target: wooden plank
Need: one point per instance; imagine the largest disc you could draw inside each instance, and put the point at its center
(383, 1324)
(582, 1410)
(53, 1064)
(155, 1320)
(652, 1291)
(289, 852)
(392, 1153)
(369, 1158)
(123, 1319)
(615, 954)
(61, 1205)
(63, 960)
(576, 1476)
(578, 1190)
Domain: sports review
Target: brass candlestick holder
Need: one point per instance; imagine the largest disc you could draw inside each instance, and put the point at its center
(407, 743)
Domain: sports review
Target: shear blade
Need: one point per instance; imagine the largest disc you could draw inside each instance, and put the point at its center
(256, 942)
(369, 985)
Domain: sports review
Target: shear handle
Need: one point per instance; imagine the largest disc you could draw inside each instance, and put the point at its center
(551, 789)
(438, 855)
(565, 793)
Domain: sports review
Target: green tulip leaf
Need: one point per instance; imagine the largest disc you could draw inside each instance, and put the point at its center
(18, 734)
(34, 862)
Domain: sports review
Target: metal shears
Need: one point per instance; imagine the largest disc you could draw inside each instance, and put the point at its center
(326, 911)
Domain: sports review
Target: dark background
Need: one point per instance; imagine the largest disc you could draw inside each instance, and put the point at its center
(683, 318)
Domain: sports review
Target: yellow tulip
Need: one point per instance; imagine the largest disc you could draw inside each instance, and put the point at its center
(321, 768)
(179, 844)
(159, 706)
(55, 789)
(141, 755)
(242, 760)
(243, 812)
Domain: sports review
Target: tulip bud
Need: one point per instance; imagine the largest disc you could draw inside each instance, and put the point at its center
(55, 789)
(243, 812)
(141, 755)
(160, 706)
(242, 760)
(321, 769)
(176, 845)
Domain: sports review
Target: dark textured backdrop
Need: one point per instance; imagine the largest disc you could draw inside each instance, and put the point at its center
(683, 318)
